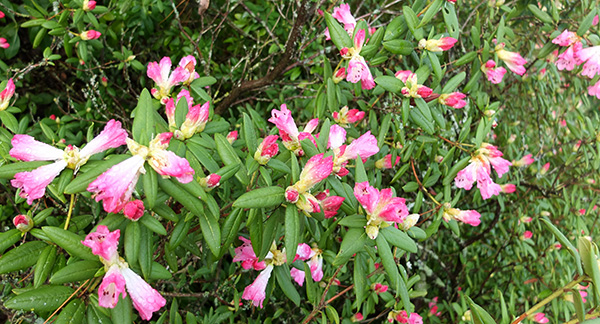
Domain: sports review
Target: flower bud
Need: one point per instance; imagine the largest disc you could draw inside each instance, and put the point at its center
(134, 210)
(489, 112)
(211, 181)
(89, 5)
(545, 213)
(90, 34)
(356, 317)
(232, 136)
(23, 223)
(291, 195)
(339, 75)
(104, 81)
(512, 138)
(410, 221)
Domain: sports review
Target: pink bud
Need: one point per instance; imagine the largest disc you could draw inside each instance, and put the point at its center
(232, 136)
(104, 81)
(90, 34)
(4, 43)
(291, 195)
(527, 235)
(545, 168)
(357, 317)
(23, 223)
(89, 5)
(134, 210)
(212, 181)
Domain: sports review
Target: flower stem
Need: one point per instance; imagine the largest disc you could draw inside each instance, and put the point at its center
(70, 212)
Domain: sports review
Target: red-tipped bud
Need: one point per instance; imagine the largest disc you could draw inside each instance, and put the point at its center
(23, 223)
(134, 210)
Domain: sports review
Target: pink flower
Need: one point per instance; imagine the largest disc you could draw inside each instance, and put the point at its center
(26, 148)
(380, 206)
(33, 184)
(412, 88)
(527, 235)
(437, 45)
(330, 204)
(256, 291)
(316, 169)
(245, 254)
(23, 223)
(480, 170)
(113, 285)
(403, 317)
(232, 137)
(103, 243)
(470, 217)
(90, 35)
(541, 318)
(89, 5)
(298, 276)
(493, 74)
(303, 252)
(211, 181)
(171, 105)
(145, 298)
(4, 43)
(112, 136)
(545, 168)
(292, 195)
(591, 57)
(364, 146)
(195, 121)
(287, 129)
(379, 288)
(508, 188)
(595, 21)
(7, 94)
(513, 60)
(566, 38)
(594, 90)
(345, 116)
(115, 186)
(189, 64)
(2, 14)
(344, 16)
(433, 308)
(267, 149)
(357, 317)
(339, 75)
(386, 162)
(524, 161)
(568, 59)
(358, 70)
(165, 80)
(134, 210)
(316, 266)
(582, 211)
(167, 163)
(454, 100)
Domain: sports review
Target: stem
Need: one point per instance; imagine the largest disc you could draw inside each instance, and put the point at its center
(421, 186)
(70, 211)
(548, 299)
(587, 316)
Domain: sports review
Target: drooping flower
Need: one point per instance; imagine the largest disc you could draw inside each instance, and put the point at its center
(245, 254)
(267, 149)
(315, 263)
(594, 90)
(433, 308)
(134, 209)
(470, 217)
(23, 222)
(379, 288)
(118, 276)
(508, 188)
(167, 163)
(382, 208)
(316, 169)
(524, 161)
(412, 88)
(90, 35)
(195, 120)
(164, 78)
(479, 170)
(339, 75)
(298, 276)
(364, 146)
(256, 292)
(345, 117)
(386, 162)
(33, 183)
(527, 235)
(513, 60)
(171, 105)
(493, 74)
(591, 57)
(358, 70)
(287, 129)
(344, 16)
(189, 64)
(330, 204)
(403, 317)
(454, 100)
(437, 45)
(7, 94)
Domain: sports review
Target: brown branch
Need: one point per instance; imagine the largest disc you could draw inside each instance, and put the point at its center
(305, 14)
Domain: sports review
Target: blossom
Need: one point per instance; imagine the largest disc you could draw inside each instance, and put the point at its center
(189, 64)
(316, 169)
(167, 163)
(345, 117)
(4, 43)
(437, 45)
(134, 209)
(412, 88)
(145, 298)
(403, 317)
(23, 222)
(195, 121)
(211, 181)
(90, 35)
(330, 204)
(7, 94)
(433, 308)
(256, 292)
(386, 162)
(88, 5)
(540, 318)
(454, 100)
(288, 130)
(339, 75)
(566, 38)
(232, 136)
(267, 149)
(298, 276)
(513, 60)
(527, 235)
(358, 70)
(379, 288)
(104, 243)
(171, 105)
(113, 285)
(410, 221)
(470, 217)
(508, 188)
(344, 16)
(524, 161)
(594, 90)
(595, 21)
(315, 263)
(545, 168)
(591, 57)
(364, 146)
(246, 255)
(381, 207)
(479, 170)
(493, 74)
(568, 59)
(33, 183)
(164, 78)
(357, 317)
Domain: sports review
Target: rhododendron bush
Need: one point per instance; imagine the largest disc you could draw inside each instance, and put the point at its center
(299, 161)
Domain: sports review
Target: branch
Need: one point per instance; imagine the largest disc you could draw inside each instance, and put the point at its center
(305, 14)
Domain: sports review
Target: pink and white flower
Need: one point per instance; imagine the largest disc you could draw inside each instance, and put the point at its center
(316, 169)
(195, 121)
(330, 204)
(591, 57)
(524, 161)
(164, 78)
(527, 235)
(256, 292)
(287, 129)
(566, 38)
(245, 254)
(470, 217)
(7, 94)
(145, 298)
(90, 35)
(479, 170)
(167, 163)
(403, 317)
(513, 60)
(594, 90)
(113, 285)
(570, 58)
(33, 183)
(386, 162)
(437, 45)
(104, 243)
(358, 70)
(232, 136)
(540, 318)
(4, 43)
(171, 105)
(545, 168)
(345, 117)
(23, 222)
(89, 5)
(412, 88)
(213, 180)
(493, 74)
(189, 64)
(364, 146)
(379, 288)
(344, 16)
(382, 208)
(454, 100)
(267, 149)
(508, 188)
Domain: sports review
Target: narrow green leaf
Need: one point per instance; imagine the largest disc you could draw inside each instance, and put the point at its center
(8, 238)
(399, 239)
(70, 242)
(354, 241)
(565, 242)
(249, 134)
(132, 242)
(122, 313)
(73, 313)
(292, 231)
(76, 271)
(261, 198)
(150, 182)
(21, 257)
(211, 232)
(228, 155)
(480, 316)
(399, 46)
(153, 224)
(143, 123)
(539, 14)
(390, 83)
(339, 36)
(44, 265)
(145, 255)
(282, 273)
(43, 299)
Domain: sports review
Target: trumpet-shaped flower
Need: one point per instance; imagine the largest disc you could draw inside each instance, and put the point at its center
(288, 131)
(267, 149)
(386, 162)
(344, 16)
(540, 318)
(403, 317)
(470, 217)
(382, 208)
(513, 60)
(493, 74)
(104, 243)
(164, 78)
(364, 146)
(345, 117)
(7, 94)
(454, 100)
(412, 88)
(330, 204)
(256, 292)
(437, 45)
(358, 70)
(171, 105)
(246, 255)
(189, 64)
(566, 38)
(570, 58)
(591, 57)
(195, 120)
(167, 163)
(232, 136)
(316, 169)
(113, 285)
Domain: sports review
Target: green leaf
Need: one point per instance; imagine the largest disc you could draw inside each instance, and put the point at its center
(480, 316)
(360, 173)
(150, 183)
(202, 155)
(179, 233)
(465, 59)
(435, 65)
(9, 121)
(91, 170)
(399, 46)
(159, 272)
(132, 242)
(586, 23)
(44, 265)
(332, 314)
(8, 238)
(565, 242)
(391, 269)
(430, 13)
(145, 255)
(395, 28)
(399, 239)
(353, 242)
(72, 313)
(587, 250)
(360, 277)
(261, 198)
(228, 155)
(203, 82)
(122, 313)
(188, 201)
(539, 14)
(76, 271)
(229, 231)
(249, 134)
(21, 257)
(453, 83)
(153, 224)
(358, 221)
(579, 306)
(8, 171)
(43, 299)
(339, 36)
(211, 232)
(390, 83)
(412, 21)
(282, 273)
(70, 242)
(292, 231)
(143, 123)
(426, 124)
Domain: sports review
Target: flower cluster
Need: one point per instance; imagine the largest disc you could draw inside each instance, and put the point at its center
(166, 79)
(479, 169)
(381, 207)
(195, 119)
